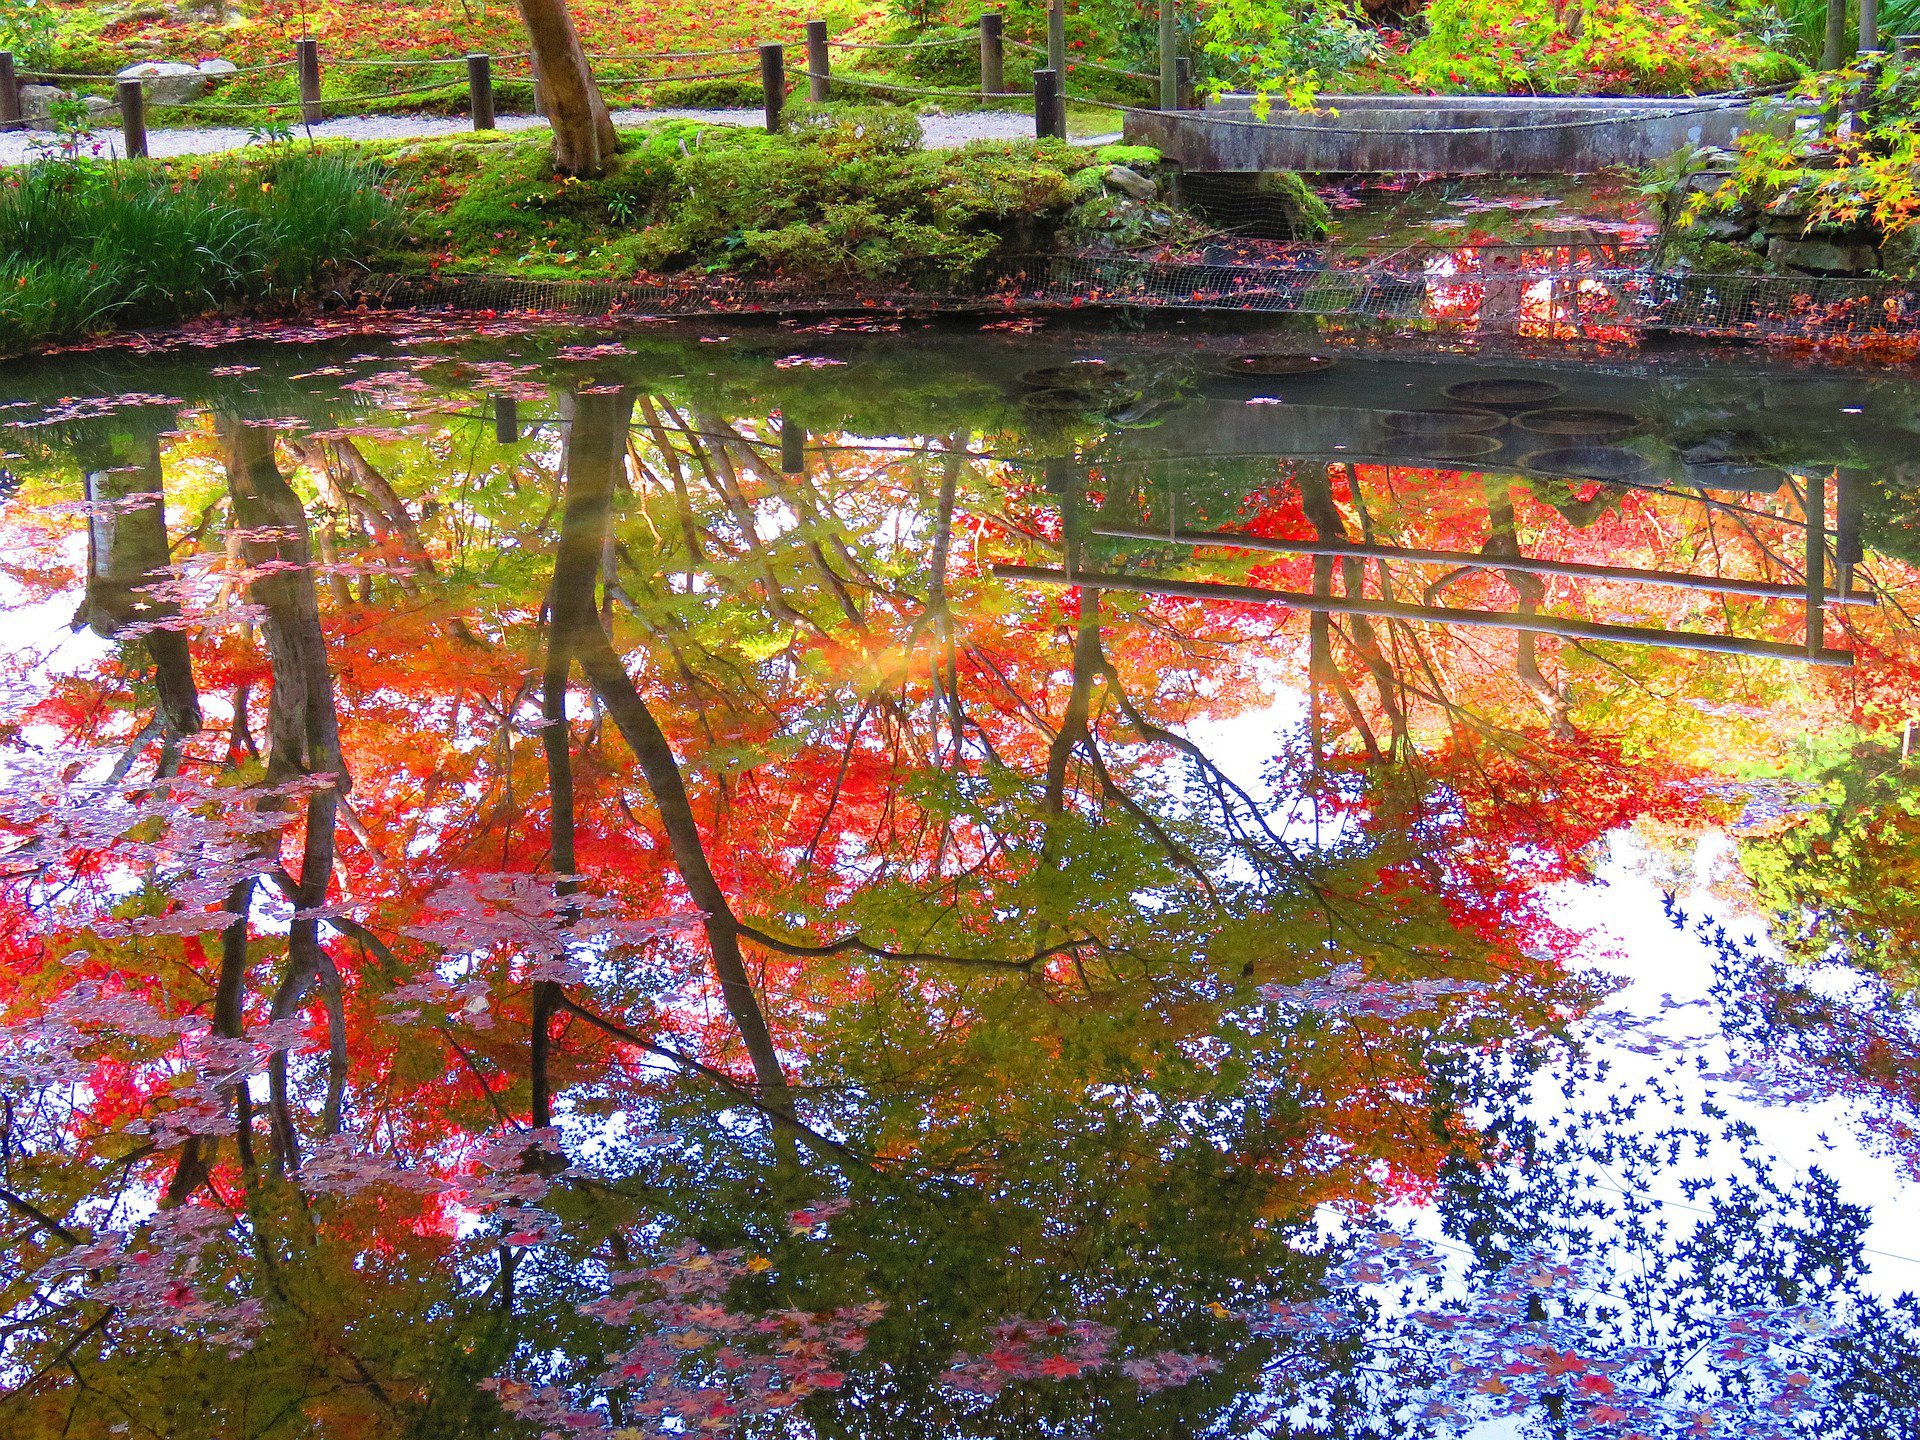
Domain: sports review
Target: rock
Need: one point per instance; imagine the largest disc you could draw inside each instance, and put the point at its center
(98, 105)
(1728, 228)
(1823, 257)
(36, 104)
(1132, 184)
(168, 82)
(217, 70)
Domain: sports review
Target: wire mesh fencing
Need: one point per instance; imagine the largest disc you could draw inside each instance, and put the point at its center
(1598, 292)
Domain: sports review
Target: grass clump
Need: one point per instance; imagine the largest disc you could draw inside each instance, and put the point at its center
(86, 247)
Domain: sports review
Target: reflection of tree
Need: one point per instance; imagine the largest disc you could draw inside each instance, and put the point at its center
(1078, 1019)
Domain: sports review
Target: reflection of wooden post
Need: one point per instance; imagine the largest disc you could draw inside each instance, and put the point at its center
(506, 420)
(1816, 508)
(1847, 548)
(1169, 58)
(793, 448)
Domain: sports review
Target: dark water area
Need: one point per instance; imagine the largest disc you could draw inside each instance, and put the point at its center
(872, 881)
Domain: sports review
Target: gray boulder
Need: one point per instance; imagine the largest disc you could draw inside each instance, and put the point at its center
(1823, 257)
(168, 82)
(1132, 184)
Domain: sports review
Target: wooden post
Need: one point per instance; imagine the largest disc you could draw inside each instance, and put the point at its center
(1183, 72)
(1836, 41)
(9, 93)
(773, 82)
(1046, 105)
(480, 90)
(1869, 26)
(506, 420)
(1906, 48)
(819, 62)
(993, 54)
(793, 448)
(306, 54)
(1169, 58)
(1057, 39)
(132, 96)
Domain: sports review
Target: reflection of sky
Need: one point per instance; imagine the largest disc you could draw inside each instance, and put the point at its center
(1623, 913)
(1665, 1007)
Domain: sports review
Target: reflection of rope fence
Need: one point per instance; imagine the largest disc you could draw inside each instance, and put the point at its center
(1499, 294)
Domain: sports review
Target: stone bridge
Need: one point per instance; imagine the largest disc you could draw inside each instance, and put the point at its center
(1448, 135)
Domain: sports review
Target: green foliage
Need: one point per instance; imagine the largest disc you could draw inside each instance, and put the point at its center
(1842, 879)
(844, 194)
(31, 30)
(87, 246)
(1608, 46)
(1862, 181)
(1294, 48)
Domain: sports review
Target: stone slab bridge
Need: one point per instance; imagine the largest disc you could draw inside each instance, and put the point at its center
(1448, 135)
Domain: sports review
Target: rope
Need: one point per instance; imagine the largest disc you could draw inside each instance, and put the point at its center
(1073, 64)
(1201, 117)
(675, 79)
(440, 60)
(233, 106)
(678, 55)
(345, 102)
(966, 39)
(910, 90)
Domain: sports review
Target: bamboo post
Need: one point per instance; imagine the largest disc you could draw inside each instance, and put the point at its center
(1057, 39)
(132, 96)
(773, 83)
(9, 93)
(1169, 58)
(819, 62)
(306, 54)
(480, 90)
(1046, 104)
(993, 54)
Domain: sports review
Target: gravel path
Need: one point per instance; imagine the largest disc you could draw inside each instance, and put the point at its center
(941, 131)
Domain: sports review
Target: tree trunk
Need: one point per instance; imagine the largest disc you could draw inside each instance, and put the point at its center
(582, 130)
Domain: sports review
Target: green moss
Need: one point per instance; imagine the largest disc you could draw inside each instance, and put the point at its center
(1134, 157)
(844, 194)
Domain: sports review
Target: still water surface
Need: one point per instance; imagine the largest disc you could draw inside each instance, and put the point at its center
(859, 882)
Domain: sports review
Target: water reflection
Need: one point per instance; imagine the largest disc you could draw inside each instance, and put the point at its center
(749, 883)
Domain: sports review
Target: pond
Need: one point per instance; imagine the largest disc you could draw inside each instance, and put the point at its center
(863, 879)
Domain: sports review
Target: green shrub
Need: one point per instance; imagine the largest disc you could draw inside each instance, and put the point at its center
(149, 243)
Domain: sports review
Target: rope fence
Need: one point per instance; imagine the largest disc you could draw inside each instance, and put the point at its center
(134, 95)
